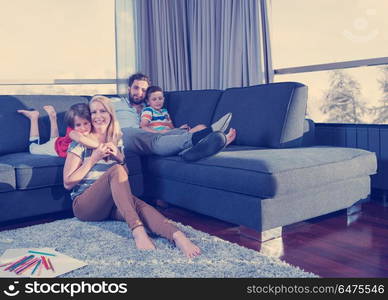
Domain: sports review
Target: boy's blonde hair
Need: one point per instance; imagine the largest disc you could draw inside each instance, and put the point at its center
(114, 133)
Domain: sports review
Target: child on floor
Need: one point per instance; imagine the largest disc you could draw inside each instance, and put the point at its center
(79, 126)
(155, 118)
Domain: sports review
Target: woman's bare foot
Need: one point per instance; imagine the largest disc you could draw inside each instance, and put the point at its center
(230, 136)
(142, 239)
(31, 114)
(50, 111)
(185, 245)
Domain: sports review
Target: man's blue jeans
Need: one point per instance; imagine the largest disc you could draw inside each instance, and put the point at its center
(147, 143)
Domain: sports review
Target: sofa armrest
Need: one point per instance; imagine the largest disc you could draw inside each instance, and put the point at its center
(308, 133)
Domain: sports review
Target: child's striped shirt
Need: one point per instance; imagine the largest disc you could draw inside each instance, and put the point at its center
(95, 172)
(159, 120)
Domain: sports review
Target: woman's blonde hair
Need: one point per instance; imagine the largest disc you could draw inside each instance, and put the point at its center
(114, 133)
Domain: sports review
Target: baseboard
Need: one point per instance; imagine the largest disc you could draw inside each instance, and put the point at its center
(34, 220)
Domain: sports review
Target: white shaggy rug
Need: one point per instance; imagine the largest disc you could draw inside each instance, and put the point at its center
(109, 250)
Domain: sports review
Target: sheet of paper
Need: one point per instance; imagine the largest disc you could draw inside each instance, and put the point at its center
(62, 263)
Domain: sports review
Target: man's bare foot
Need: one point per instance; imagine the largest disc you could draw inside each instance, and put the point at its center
(50, 111)
(197, 128)
(142, 239)
(31, 114)
(230, 136)
(185, 245)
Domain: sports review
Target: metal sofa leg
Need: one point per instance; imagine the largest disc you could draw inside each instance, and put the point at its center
(271, 234)
(263, 236)
(270, 241)
(353, 213)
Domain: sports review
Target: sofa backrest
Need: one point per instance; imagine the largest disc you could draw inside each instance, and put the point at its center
(192, 107)
(308, 133)
(14, 134)
(267, 115)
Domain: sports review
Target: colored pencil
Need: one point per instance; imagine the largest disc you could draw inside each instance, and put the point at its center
(18, 263)
(22, 263)
(41, 253)
(15, 262)
(3, 265)
(27, 266)
(51, 265)
(36, 267)
(40, 269)
(44, 262)
(21, 266)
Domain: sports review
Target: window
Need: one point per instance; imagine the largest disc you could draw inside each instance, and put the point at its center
(354, 95)
(48, 42)
(305, 32)
(338, 49)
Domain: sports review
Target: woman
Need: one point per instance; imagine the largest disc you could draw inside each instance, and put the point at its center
(100, 187)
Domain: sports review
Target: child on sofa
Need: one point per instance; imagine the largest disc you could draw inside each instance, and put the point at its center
(155, 118)
(79, 126)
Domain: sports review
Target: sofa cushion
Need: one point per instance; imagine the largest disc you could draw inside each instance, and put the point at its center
(16, 140)
(37, 171)
(267, 173)
(7, 178)
(266, 115)
(192, 107)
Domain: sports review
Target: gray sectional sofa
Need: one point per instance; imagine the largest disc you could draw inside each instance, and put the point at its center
(271, 176)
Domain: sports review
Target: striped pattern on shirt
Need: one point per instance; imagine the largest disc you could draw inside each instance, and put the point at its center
(159, 120)
(95, 172)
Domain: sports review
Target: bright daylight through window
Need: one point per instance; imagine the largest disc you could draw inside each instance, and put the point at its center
(57, 47)
(319, 32)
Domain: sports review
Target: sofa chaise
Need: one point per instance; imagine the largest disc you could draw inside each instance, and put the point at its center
(271, 176)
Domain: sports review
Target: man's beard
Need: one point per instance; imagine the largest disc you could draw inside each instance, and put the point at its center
(135, 101)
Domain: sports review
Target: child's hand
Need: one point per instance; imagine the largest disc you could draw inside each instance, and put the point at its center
(185, 126)
(164, 130)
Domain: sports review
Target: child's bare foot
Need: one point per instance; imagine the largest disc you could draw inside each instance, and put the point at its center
(185, 245)
(31, 114)
(142, 239)
(50, 111)
(230, 136)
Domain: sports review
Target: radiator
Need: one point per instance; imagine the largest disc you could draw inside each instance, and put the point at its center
(364, 136)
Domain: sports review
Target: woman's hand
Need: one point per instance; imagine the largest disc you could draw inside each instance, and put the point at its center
(100, 152)
(115, 152)
(112, 149)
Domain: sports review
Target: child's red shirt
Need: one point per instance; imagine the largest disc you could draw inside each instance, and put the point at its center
(62, 143)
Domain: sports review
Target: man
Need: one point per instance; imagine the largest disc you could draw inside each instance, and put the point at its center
(191, 146)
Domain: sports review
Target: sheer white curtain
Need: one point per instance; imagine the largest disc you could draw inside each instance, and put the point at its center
(125, 43)
(200, 44)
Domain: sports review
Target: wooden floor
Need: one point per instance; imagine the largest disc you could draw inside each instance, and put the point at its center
(329, 246)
